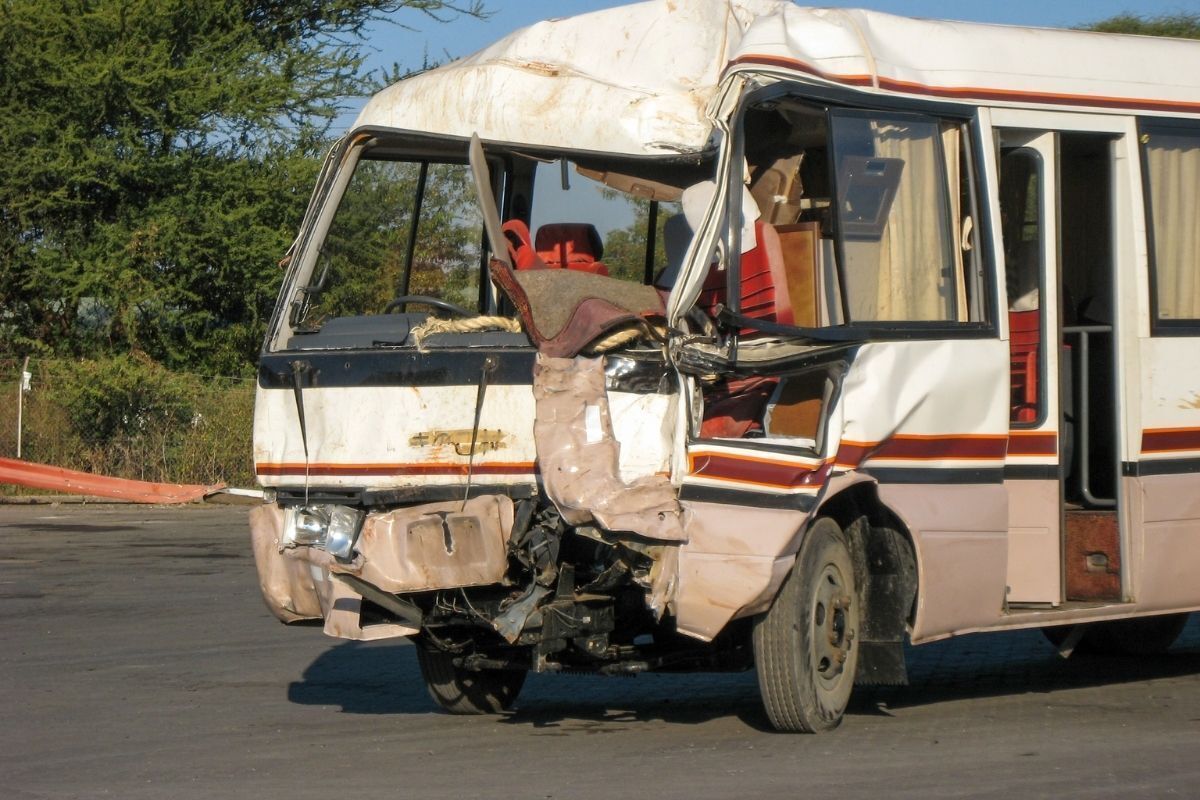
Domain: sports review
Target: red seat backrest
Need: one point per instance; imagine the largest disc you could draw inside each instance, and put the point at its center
(1024, 342)
(520, 249)
(764, 284)
(571, 245)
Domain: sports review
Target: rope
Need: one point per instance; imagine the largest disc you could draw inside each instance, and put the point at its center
(471, 325)
(625, 336)
(612, 341)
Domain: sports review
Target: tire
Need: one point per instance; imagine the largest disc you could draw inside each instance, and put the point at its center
(805, 645)
(1058, 634)
(463, 691)
(1138, 636)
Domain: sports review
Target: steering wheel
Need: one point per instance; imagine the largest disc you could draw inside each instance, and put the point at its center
(404, 299)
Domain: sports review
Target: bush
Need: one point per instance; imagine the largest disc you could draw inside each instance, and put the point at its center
(130, 417)
(124, 396)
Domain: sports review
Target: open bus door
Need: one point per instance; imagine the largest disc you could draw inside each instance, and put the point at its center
(1058, 201)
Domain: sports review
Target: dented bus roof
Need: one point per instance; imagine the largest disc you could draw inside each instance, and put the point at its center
(637, 79)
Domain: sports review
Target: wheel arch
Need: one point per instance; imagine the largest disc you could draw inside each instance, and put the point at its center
(886, 570)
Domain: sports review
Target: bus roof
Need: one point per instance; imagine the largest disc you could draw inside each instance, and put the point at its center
(637, 79)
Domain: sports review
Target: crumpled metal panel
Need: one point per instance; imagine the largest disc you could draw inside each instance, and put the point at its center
(634, 79)
(434, 546)
(287, 584)
(578, 455)
(45, 476)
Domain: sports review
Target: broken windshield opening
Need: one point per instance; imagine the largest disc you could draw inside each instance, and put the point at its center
(402, 228)
(595, 221)
(403, 237)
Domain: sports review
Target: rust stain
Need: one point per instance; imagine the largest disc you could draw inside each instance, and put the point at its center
(540, 67)
(487, 441)
(1194, 402)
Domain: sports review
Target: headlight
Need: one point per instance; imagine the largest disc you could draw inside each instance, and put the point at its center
(344, 524)
(334, 528)
(308, 526)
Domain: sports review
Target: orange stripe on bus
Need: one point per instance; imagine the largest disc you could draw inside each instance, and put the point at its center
(976, 92)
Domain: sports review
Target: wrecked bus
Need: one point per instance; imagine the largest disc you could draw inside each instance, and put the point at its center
(734, 334)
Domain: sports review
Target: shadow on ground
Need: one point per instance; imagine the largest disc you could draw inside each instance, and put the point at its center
(383, 678)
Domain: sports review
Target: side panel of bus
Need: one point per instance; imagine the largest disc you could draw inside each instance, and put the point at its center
(1164, 470)
(1117, 399)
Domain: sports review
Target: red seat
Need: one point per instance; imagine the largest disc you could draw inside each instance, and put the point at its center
(571, 245)
(520, 250)
(1024, 341)
(764, 285)
(736, 409)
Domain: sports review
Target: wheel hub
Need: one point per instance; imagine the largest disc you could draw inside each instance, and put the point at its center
(833, 634)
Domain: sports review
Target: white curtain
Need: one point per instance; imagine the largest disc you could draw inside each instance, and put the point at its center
(909, 274)
(951, 139)
(1174, 171)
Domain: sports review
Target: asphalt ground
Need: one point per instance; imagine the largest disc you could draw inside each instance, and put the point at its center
(138, 661)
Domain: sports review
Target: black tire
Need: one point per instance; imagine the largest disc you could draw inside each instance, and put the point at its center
(1058, 634)
(1139, 636)
(805, 645)
(464, 691)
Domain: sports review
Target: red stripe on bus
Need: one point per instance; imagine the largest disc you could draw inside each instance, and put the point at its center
(757, 471)
(1170, 440)
(977, 92)
(913, 447)
(764, 471)
(1021, 443)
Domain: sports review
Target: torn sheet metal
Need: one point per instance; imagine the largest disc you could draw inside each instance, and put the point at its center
(512, 621)
(579, 456)
(287, 584)
(435, 546)
(645, 429)
(343, 619)
(664, 582)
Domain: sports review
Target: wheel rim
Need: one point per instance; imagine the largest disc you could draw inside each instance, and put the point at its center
(834, 628)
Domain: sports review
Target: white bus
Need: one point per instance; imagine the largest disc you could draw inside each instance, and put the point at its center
(735, 334)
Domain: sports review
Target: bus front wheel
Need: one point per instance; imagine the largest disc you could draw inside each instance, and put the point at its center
(463, 691)
(806, 644)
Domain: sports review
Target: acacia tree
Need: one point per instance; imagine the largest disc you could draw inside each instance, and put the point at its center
(1183, 25)
(157, 158)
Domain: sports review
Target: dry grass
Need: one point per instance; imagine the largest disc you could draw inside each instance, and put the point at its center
(206, 437)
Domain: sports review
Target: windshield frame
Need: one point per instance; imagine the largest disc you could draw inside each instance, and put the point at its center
(306, 253)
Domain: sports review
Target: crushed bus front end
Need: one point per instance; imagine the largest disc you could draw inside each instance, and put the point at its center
(673, 381)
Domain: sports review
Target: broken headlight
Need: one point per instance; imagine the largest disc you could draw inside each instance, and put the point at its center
(332, 528)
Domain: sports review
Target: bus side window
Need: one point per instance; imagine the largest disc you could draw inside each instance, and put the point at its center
(1172, 160)
(1020, 216)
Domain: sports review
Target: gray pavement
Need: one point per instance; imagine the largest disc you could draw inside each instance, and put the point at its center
(137, 661)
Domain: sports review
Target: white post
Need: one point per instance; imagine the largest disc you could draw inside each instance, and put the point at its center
(22, 384)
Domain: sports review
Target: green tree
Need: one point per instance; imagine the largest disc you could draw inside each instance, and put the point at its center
(1182, 25)
(158, 157)
(364, 253)
(625, 248)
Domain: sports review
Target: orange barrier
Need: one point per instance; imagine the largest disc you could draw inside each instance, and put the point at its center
(44, 476)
